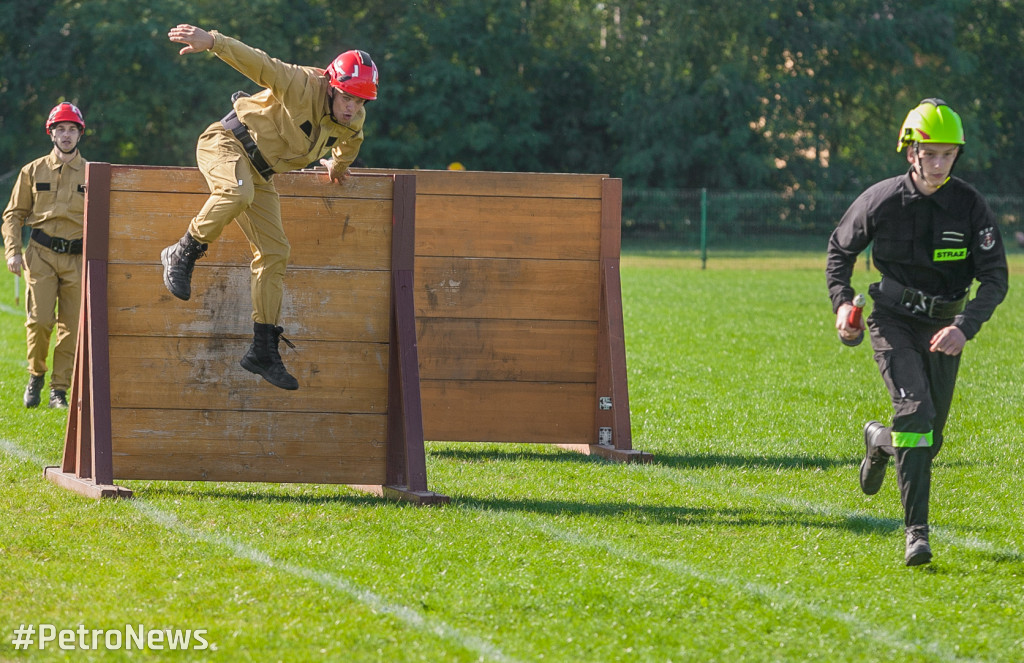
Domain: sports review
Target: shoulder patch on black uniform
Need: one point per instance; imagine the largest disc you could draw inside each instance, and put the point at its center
(987, 239)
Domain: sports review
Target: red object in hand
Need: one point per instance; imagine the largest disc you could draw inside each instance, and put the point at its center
(854, 320)
(858, 310)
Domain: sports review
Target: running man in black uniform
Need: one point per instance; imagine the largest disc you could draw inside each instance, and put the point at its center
(933, 235)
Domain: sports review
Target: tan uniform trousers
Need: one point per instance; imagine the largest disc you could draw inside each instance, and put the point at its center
(238, 193)
(53, 295)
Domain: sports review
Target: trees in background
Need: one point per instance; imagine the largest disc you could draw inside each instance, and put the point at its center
(781, 95)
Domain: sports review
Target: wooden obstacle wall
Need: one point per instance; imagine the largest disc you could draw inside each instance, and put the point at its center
(519, 309)
(159, 392)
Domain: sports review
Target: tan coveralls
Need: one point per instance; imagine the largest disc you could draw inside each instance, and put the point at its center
(49, 196)
(291, 123)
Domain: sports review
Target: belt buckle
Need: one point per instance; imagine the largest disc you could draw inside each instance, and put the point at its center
(917, 302)
(60, 245)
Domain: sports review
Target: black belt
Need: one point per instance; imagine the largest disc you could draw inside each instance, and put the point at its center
(241, 132)
(941, 308)
(57, 244)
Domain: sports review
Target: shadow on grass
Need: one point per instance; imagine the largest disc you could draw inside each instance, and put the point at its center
(774, 516)
(765, 462)
(675, 461)
(685, 516)
(668, 460)
(492, 454)
(267, 493)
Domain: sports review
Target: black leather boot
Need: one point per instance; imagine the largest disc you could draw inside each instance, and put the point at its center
(59, 399)
(264, 359)
(872, 468)
(918, 551)
(179, 259)
(32, 390)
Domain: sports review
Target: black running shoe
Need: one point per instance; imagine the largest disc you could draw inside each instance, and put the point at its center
(872, 468)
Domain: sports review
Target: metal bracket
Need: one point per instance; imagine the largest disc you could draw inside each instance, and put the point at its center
(604, 403)
(604, 436)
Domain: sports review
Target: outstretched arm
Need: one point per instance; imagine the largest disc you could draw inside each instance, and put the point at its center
(196, 40)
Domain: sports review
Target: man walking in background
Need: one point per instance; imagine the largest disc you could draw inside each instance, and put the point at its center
(933, 236)
(49, 198)
(301, 114)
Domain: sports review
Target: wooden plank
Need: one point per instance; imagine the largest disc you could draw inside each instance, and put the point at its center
(302, 183)
(84, 486)
(233, 467)
(203, 373)
(515, 350)
(318, 304)
(506, 288)
(268, 433)
(508, 411)
(406, 465)
(479, 183)
(611, 355)
(508, 227)
(323, 232)
(202, 433)
(101, 372)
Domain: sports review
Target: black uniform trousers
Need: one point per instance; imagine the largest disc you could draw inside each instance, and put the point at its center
(920, 384)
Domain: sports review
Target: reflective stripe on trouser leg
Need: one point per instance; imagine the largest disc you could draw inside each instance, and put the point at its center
(907, 440)
(920, 382)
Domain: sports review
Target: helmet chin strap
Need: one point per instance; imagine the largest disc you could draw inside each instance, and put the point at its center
(920, 168)
(71, 151)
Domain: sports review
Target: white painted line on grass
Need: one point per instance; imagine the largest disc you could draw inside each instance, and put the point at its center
(11, 310)
(12, 449)
(372, 600)
(946, 535)
(767, 593)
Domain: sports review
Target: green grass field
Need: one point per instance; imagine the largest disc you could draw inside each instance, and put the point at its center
(747, 539)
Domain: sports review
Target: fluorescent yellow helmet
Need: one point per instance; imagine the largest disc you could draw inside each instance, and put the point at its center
(932, 121)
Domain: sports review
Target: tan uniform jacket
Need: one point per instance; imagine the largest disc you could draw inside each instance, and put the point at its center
(290, 119)
(49, 195)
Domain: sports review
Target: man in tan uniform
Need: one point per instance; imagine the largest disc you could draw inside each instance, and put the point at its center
(301, 114)
(49, 198)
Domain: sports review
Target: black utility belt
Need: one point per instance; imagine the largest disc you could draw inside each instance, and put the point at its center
(241, 132)
(915, 301)
(57, 244)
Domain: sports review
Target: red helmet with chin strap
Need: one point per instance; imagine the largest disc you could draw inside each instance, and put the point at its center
(65, 112)
(355, 73)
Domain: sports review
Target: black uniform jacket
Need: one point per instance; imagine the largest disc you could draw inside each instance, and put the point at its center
(938, 244)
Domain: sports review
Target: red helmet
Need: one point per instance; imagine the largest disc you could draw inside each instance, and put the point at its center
(355, 73)
(65, 112)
